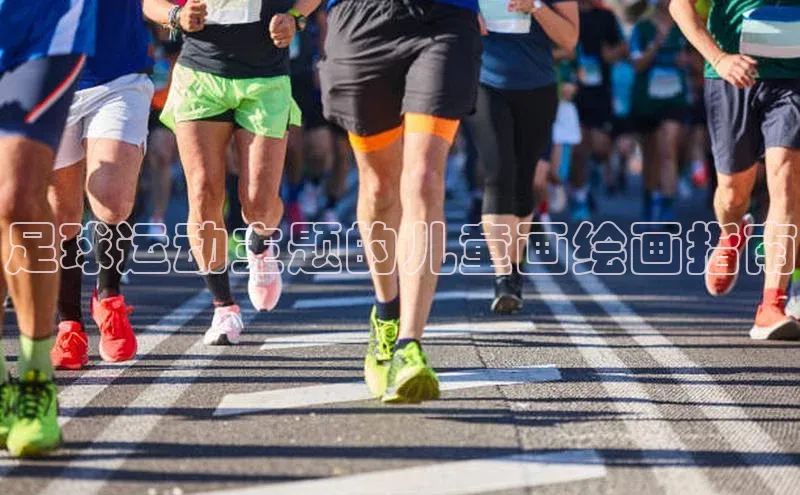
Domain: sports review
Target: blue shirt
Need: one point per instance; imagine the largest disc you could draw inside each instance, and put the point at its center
(122, 41)
(33, 29)
(518, 61)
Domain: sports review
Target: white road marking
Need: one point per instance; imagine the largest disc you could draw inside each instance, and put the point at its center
(736, 426)
(360, 337)
(649, 435)
(347, 301)
(450, 478)
(163, 392)
(288, 398)
(347, 276)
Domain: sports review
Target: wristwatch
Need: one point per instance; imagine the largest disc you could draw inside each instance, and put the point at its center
(537, 4)
(300, 20)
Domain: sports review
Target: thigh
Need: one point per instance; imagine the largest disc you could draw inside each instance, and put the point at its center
(781, 124)
(266, 107)
(443, 78)
(733, 126)
(35, 98)
(362, 73)
(65, 195)
(195, 95)
(202, 146)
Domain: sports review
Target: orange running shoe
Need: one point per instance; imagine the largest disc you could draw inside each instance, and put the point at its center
(772, 323)
(722, 268)
(71, 349)
(117, 340)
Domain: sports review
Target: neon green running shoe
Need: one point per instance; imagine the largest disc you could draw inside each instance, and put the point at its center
(35, 430)
(382, 336)
(8, 394)
(411, 380)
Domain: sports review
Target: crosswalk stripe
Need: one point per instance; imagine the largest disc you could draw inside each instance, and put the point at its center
(450, 478)
(432, 331)
(234, 404)
(347, 301)
(650, 435)
(349, 276)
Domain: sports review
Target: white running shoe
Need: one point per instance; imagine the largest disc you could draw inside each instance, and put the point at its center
(226, 327)
(265, 285)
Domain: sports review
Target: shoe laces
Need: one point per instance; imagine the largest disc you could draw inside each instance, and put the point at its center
(116, 320)
(66, 339)
(412, 355)
(228, 319)
(386, 331)
(34, 398)
(6, 395)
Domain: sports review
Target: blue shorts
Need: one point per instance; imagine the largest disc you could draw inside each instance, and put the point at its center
(35, 97)
(743, 123)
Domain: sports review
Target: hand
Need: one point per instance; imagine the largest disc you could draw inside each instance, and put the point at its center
(525, 6)
(738, 70)
(281, 29)
(193, 16)
(482, 25)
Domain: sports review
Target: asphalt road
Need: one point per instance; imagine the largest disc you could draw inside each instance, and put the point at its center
(603, 384)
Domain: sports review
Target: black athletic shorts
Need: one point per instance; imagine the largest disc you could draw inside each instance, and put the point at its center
(382, 61)
(308, 98)
(647, 124)
(594, 110)
(35, 98)
(743, 123)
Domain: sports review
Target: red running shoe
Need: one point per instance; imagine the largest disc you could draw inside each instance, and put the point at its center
(722, 268)
(71, 349)
(117, 340)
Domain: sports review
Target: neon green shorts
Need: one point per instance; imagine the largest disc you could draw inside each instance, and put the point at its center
(261, 105)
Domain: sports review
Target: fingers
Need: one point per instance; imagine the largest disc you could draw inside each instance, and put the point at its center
(194, 15)
(482, 25)
(281, 30)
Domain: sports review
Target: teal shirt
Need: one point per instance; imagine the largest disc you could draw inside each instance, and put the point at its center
(664, 84)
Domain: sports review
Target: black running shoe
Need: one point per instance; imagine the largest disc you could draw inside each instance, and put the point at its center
(506, 299)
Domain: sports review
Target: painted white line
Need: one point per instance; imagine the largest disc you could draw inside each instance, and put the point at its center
(288, 398)
(450, 478)
(163, 392)
(646, 435)
(346, 276)
(735, 425)
(360, 337)
(348, 301)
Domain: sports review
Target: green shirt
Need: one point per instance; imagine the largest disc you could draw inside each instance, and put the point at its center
(725, 26)
(664, 84)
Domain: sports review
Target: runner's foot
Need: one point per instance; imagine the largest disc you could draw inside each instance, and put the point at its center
(772, 323)
(722, 269)
(382, 336)
(411, 380)
(226, 327)
(506, 299)
(71, 349)
(264, 285)
(117, 340)
(35, 430)
(8, 396)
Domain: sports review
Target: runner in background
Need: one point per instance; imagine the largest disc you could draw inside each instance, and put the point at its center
(601, 44)
(162, 148)
(752, 93)
(517, 104)
(659, 107)
(43, 47)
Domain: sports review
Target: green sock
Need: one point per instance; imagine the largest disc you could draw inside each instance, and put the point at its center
(795, 275)
(35, 355)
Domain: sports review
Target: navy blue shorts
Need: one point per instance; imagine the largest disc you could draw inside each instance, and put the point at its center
(743, 123)
(35, 98)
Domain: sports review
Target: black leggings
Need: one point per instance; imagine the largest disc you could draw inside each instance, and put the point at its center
(512, 130)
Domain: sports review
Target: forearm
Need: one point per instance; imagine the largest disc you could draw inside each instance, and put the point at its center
(558, 28)
(157, 10)
(306, 7)
(694, 29)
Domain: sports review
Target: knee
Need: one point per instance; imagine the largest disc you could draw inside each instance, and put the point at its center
(425, 186)
(265, 209)
(378, 191)
(206, 198)
(111, 206)
(728, 197)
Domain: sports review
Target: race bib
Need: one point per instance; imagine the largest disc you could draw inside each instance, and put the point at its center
(591, 73)
(500, 20)
(771, 32)
(664, 83)
(233, 11)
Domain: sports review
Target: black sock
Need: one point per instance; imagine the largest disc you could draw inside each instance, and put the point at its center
(69, 290)
(404, 342)
(111, 249)
(258, 243)
(389, 310)
(220, 287)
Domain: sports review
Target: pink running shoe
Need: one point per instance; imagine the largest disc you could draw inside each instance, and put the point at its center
(226, 327)
(265, 285)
